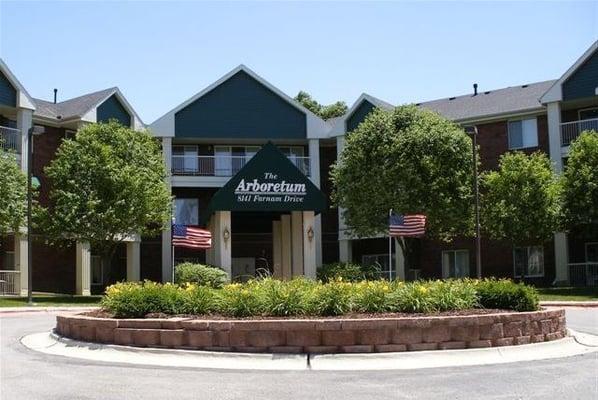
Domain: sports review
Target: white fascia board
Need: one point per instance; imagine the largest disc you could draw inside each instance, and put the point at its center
(23, 98)
(555, 93)
(316, 127)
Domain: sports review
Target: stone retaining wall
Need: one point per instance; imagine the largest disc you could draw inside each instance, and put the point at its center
(323, 335)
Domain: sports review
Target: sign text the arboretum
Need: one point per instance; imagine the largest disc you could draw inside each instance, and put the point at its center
(270, 190)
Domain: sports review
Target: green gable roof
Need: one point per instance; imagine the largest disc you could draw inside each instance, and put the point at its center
(241, 107)
(359, 115)
(113, 109)
(268, 182)
(8, 94)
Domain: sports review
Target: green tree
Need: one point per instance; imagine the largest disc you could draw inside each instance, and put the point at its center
(412, 161)
(323, 111)
(521, 200)
(580, 184)
(106, 184)
(13, 194)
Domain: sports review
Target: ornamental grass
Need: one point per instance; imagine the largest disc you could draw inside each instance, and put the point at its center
(301, 297)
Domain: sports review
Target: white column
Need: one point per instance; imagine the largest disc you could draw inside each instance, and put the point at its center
(210, 251)
(309, 245)
(134, 261)
(83, 273)
(277, 249)
(285, 228)
(24, 122)
(222, 237)
(561, 257)
(400, 261)
(554, 135)
(21, 262)
(345, 253)
(344, 240)
(314, 176)
(297, 243)
(166, 233)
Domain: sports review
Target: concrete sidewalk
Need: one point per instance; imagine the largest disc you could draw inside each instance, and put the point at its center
(42, 309)
(49, 343)
(560, 303)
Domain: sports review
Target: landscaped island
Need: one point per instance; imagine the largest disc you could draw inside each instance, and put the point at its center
(305, 316)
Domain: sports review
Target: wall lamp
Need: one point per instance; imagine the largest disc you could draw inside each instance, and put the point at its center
(310, 234)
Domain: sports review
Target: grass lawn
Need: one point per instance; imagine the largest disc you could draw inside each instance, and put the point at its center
(50, 301)
(568, 294)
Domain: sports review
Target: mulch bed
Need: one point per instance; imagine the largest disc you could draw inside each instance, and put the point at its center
(476, 311)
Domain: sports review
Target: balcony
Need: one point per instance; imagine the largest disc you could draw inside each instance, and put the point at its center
(10, 139)
(571, 130)
(583, 274)
(221, 166)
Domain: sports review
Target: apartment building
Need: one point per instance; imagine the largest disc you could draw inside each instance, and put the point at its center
(251, 164)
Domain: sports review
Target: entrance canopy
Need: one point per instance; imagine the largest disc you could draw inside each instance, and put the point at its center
(268, 182)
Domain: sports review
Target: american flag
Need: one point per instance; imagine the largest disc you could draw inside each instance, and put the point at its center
(191, 237)
(407, 225)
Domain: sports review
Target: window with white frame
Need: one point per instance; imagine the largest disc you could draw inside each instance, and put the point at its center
(97, 270)
(186, 211)
(523, 133)
(381, 262)
(455, 264)
(185, 159)
(528, 261)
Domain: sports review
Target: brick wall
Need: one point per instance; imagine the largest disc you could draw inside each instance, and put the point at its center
(322, 335)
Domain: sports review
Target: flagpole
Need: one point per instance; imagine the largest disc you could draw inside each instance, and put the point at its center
(389, 245)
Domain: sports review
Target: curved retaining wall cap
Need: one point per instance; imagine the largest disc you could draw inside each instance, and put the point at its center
(321, 335)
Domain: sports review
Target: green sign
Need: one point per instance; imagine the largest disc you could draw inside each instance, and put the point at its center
(268, 182)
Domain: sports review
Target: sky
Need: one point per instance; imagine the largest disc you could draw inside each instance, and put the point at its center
(161, 53)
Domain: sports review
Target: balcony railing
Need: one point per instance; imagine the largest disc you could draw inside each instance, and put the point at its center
(583, 274)
(571, 130)
(10, 139)
(224, 166)
(9, 282)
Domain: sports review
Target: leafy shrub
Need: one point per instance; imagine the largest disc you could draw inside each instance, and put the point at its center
(200, 274)
(505, 294)
(372, 296)
(237, 300)
(270, 297)
(286, 298)
(134, 300)
(348, 272)
(332, 298)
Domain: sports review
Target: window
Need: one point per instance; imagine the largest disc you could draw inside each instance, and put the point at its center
(380, 261)
(70, 134)
(528, 261)
(523, 133)
(588, 113)
(592, 252)
(9, 261)
(186, 211)
(97, 270)
(185, 159)
(455, 264)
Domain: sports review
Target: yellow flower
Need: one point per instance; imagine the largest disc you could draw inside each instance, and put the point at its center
(423, 289)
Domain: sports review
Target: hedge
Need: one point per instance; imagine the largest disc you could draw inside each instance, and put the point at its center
(304, 297)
